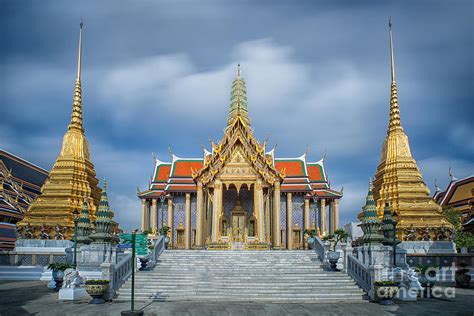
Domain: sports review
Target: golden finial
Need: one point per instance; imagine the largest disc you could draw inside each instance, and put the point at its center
(394, 120)
(392, 63)
(80, 51)
(76, 116)
(104, 187)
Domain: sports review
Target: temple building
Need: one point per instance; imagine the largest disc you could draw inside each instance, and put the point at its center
(20, 184)
(398, 175)
(459, 195)
(71, 180)
(238, 195)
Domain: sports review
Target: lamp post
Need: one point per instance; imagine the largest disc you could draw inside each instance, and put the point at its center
(76, 221)
(394, 223)
(315, 201)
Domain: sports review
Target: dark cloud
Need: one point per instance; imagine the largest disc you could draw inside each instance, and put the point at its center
(159, 72)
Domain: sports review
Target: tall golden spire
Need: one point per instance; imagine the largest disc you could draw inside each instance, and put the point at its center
(394, 121)
(72, 178)
(399, 177)
(76, 116)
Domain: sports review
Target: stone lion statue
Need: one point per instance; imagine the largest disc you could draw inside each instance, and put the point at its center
(72, 279)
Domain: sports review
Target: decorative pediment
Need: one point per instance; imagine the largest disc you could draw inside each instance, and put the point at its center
(238, 155)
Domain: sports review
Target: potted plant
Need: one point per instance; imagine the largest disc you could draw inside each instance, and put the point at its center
(97, 289)
(164, 232)
(427, 277)
(58, 273)
(463, 279)
(340, 235)
(385, 291)
(310, 237)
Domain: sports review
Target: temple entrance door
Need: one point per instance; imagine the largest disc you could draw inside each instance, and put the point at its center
(238, 227)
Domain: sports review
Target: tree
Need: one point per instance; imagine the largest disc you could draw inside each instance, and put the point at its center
(462, 239)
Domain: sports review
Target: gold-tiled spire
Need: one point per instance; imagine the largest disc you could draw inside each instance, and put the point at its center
(72, 180)
(399, 177)
(394, 121)
(76, 115)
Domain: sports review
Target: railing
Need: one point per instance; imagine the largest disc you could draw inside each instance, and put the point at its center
(359, 272)
(440, 260)
(320, 248)
(117, 273)
(158, 248)
(31, 258)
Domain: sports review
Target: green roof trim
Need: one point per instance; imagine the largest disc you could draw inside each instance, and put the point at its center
(294, 160)
(173, 168)
(155, 178)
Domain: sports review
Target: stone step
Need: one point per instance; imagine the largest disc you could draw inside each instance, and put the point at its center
(241, 276)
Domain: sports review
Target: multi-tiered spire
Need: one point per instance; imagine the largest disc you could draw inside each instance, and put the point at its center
(238, 100)
(104, 223)
(72, 178)
(398, 175)
(370, 221)
(84, 226)
(394, 121)
(76, 115)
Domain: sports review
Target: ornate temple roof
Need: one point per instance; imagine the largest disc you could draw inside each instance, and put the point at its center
(20, 184)
(238, 142)
(300, 176)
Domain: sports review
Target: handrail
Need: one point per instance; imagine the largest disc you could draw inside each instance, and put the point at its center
(359, 272)
(320, 248)
(122, 270)
(158, 248)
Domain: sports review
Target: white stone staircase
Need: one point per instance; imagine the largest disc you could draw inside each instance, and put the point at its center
(268, 276)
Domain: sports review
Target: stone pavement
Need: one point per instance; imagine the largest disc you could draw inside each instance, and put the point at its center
(34, 298)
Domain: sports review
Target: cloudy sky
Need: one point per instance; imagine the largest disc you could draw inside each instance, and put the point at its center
(158, 73)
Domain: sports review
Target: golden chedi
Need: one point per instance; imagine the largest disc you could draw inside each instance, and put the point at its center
(72, 180)
(419, 217)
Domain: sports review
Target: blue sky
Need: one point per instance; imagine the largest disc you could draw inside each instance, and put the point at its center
(158, 73)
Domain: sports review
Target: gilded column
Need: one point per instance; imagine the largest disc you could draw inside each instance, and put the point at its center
(276, 216)
(322, 211)
(307, 224)
(289, 220)
(267, 218)
(143, 224)
(336, 214)
(170, 219)
(331, 217)
(187, 232)
(199, 215)
(154, 216)
(216, 207)
(258, 202)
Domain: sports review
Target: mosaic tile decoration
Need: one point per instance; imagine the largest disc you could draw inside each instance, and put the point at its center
(246, 199)
(178, 214)
(229, 199)
(298, 210)
(283, 218)
(165, 214)
(193, 217)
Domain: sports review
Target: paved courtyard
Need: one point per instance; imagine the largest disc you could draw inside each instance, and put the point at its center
(34, 298)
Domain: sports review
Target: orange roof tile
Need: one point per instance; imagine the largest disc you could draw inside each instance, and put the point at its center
(315, 172)
(292, 167)
(162, 173)
(183, 168)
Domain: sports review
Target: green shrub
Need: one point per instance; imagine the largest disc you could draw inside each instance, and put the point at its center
(57, 266)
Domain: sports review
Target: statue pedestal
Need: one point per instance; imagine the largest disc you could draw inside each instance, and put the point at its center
(73, 294)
